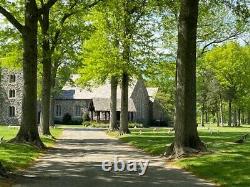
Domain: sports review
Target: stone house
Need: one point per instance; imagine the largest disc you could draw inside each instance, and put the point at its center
(74, 101)
(11, 85)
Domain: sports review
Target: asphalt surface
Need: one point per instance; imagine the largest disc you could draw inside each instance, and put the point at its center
(76, 160)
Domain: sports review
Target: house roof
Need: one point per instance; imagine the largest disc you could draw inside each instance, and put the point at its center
(103, 104)
(152, 92)
(100, 96)
(104, 91)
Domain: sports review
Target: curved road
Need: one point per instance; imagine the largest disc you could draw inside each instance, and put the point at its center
(76, 161)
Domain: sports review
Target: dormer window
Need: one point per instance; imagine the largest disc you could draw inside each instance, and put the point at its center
(12, 93)
(12, 78)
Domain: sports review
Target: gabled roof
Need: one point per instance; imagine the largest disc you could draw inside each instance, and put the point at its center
(104, 91)
(152, 92)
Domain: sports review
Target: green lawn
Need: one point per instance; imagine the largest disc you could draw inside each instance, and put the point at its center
(15, 156)
(227, 165)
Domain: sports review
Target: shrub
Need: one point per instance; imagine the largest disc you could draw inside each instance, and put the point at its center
(86, 124)
(85, 117)
(67, 118)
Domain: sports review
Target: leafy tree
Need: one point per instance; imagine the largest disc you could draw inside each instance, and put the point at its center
(28, 131)
(230, 65)
(52, 29)
(186, 135)
(117, 48)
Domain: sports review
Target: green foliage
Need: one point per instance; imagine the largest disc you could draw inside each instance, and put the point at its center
(229, 64)
(85, 117)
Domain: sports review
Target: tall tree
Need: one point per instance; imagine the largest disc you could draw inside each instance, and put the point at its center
(50, 41)
(28, 131)
(186, 135)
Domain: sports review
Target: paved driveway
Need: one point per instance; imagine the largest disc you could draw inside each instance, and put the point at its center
(76, 161)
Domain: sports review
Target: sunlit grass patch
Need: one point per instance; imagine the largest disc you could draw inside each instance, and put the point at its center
(228, 164)
(14, 156)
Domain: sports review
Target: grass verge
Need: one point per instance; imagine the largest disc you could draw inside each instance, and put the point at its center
(19, 156)
(227, 165)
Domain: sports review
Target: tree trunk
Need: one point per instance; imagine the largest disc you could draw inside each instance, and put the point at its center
(52, 103)
(46, 83)
(28, 131)
(221, 112)
(239, 117)
(124, 105)
(207, 120)
(202, 115)
(52, 90)
(113, 104)
(248, 117)
(235, 118)
(243, 117)
(186, 140)
(217, 119)
(229, 113)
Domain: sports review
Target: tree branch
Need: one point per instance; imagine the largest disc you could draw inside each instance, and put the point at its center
(232, 36)
(12, 19)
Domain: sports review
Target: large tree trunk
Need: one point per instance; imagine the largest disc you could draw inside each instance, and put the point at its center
(53, 84)
(28, 131)
(186, 140)
(113, 104)
(46, 83)
(221, 112)
(124, 104)
(230, 113)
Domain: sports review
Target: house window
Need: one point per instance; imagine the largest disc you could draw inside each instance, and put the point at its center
(12, 93)
(77, 110)
(12, 78)
(12, 111)
(58, 110)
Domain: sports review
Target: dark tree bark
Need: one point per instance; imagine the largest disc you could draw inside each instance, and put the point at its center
(46, 78)
(186, 140)
(230, 113)
(124, 104)
(248, 117)
(113, 104)
(217, 119)
(207, 117)
(235, 118)
(202, 114)
(221, 112)
(239, 117)
(29, 131)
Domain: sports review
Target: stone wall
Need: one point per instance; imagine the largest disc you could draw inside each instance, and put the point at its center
(69, 106)
(6, 102)
(141, 101)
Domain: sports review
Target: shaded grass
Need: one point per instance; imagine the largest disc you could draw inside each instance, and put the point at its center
(16, 156)
(227, 165)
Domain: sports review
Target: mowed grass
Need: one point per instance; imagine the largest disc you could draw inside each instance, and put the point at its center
(17, 156)
(228, 164)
